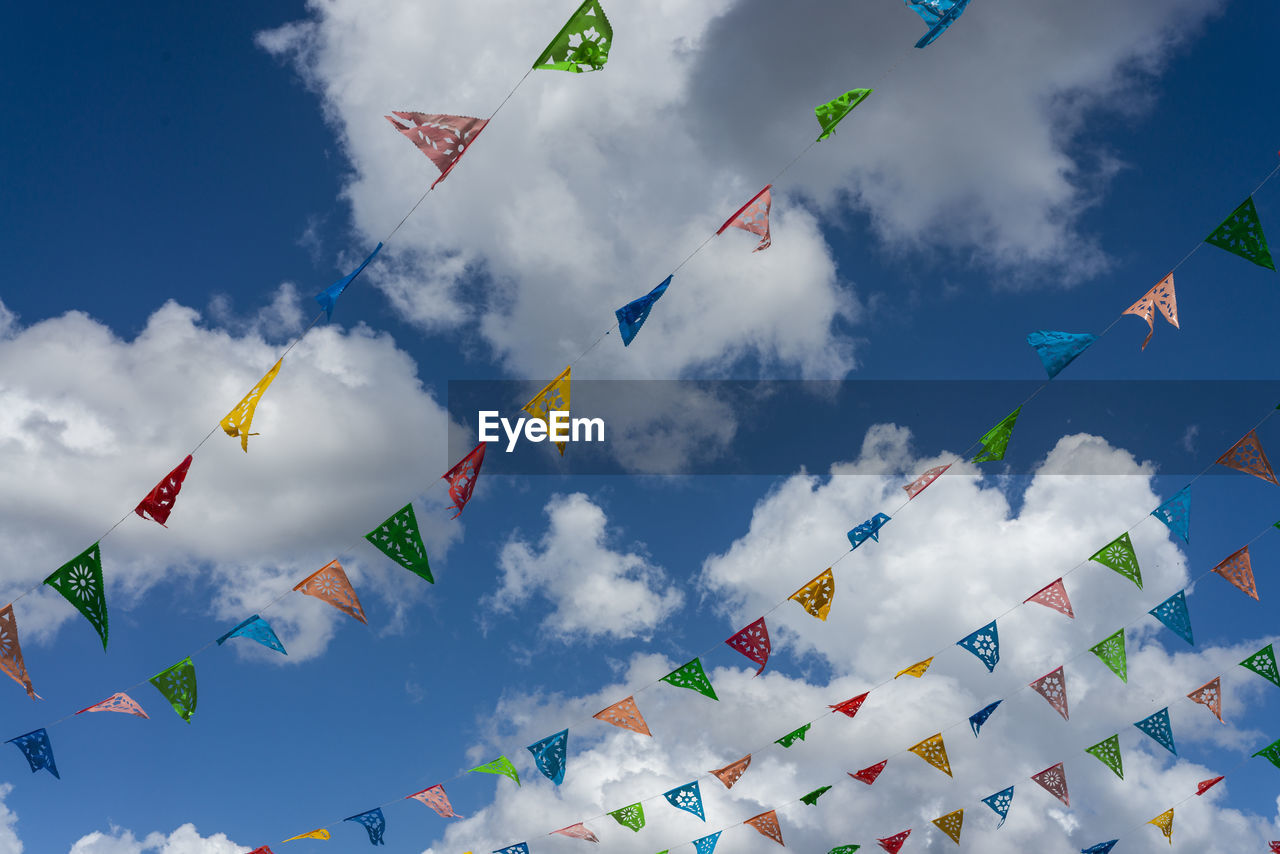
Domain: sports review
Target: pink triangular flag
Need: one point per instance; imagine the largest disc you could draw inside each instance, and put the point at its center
(1159, 297)
(1238, 569)
(753, 217)
(1209, 695)
(1054, 781)
(577, 831)
(1053, 595)
(441, 137)
(119, 702)
(753, 642)
(1053, 687)
(1247, 456)
(917, 486)
(434, 797)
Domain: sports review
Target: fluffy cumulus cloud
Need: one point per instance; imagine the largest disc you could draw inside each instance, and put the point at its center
(588, 189)
(9, 841)
(185, 840)
(595, 590)
(89, 422)
(959, 555)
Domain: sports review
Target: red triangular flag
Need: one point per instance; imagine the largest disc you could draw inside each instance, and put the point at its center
(753, 217)
(1210, 695)
(1053, 595)
(850, 707)
(1053, 687)
(442, 138)
(11, 651)
(1054, 781)
(159, 502)
(462, 478)
(577, 831)
(1247, 456)
(1275, 847)
(767, 824)
(1205, 785)
(753, 642)
(1239, 571)
(893, 844)
(869, 774)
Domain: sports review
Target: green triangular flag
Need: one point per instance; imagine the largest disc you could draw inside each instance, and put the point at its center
(501, 765)
(1271, 753)
(1119, 555)
(812, 798)
(996, 440)
(693, 677)
(794, 736)
(1241, 234)
(582, 44)
(178, 685)
(1111, 650)
(844, 849)
(398, 539)
(80, 581)
(1263, 663)
(830, 113)
(632, 816)
(1108, 750)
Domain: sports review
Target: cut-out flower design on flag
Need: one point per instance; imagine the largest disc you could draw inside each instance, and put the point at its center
(707, 844)
(1107, 752)
(795, 735)
(1053, 687)
(767, 825)
(626, 714)
(11, 651)
(330, 584)
(1119, 555)
(1263, 663)
(118, 702)
(732, 772)
(550, 755)
(984, 643)
(1209, 695)
(1054, 781)
(1053, 595)
(177, 684)
(633, 315)
(934, 751)
(554, 397)
(1164, 821)
(443, 138)
(80, 582)
(1161, 297)
(582, 44)
(630, 816)
(1176, 513)
(1000, 803)
(917, 670)
(502, 765)
(753, 642)
(1158, 727)
(1110, 650)
(687, 797)
(1173, 613)
(373, 822)
(950, 824)
(868, 530)
(831, 113)
(996, 440)
(1247, 456)
(1238, 569)
(693, 677)
(1205, 785)
(1241, 234)
(398, 539)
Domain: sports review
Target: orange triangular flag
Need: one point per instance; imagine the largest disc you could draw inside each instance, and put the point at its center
(934, 751)
(1247, 456)
(732, 772)
(1239, 571)
(1159, 297)
(917, 670)
(1210, 695)
(767, 824)
(330, 584)
(815, 597)
(950, 824)
(11, 651)
(626, 714)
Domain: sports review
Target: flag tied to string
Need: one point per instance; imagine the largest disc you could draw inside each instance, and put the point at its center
(328, 298)
(554, 397)
(118, 702)
(1160, 298)
(1059, 349)
(398, 539)
(626, 714)
(239, 420)
(38, 751)
(753, 642)
(633, 315)
(753, 217)
(937, 15)
(462, 478)
(177, 684)
(950, 824)
(330, 584)
(443, 138)
(435, 797)
(582, 44)
(11, 651)
(1241, 234)
(80, 582)
(831, 113)
(257, 629)
(158, 503)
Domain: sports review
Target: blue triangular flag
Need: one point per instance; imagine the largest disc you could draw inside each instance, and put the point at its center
(1173, 613)
(1057, 349)
(868, 530)
(328, 298)
(373, 822)
(984, 643)
(938, 15)
(1000, 802)
(550, 754)
(518, 848)
(258, 629)
(978, 718)
(1157, 726)
(39, 752)
(1100, 848)
(632, 315)
(1176, 513)
(688, 798)
(707, 844)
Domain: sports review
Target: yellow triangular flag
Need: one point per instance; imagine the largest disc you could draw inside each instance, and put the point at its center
(950, 824)
(815, 597)
(554, 397)
(239, 419)
(917, 670)
(1164, 821)
(933, 751)
(314, 834)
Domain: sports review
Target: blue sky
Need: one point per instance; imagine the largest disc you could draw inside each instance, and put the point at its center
(1033, 169)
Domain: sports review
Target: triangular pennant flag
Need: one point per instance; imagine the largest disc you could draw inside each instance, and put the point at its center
(984, 643)
(687, 797)
(732, 772)
(830, 113)
(1100, 848)
(950, 824)
(257, 629)
(320, 833)
(328, 298)
(373, 822)
(794, 736)
(36, 748)
(938, 15)
(1205, 785)
(631, 816)
(1164, 821)
(893, 844)
(1237, 569)
(626, 714)
(996, 440)
(934, 751)
(518, 848)
(1247, 456)
(753, 217)
(850, 707)
(1120, 556)
(869, 774)
(978, 718)
(917, 670)
(240, 419)
(330, 584)
(582, 44)
(1262, 662)
(753, 642)
(177, 684)
(1054, 781)
(462, 478)
(1108, 753)
(1176, 513)
(707, 844)
(917, 486)
(1000, 803)
(502, 765)
(1271, 753)
(1173, 613)
(554, 397)
(1209, 695)
(577, 831)
(11, 651)
(1275, 847)
(158, 503)
(1241, 234)
(443, 138)
(1158, 727)
(815, 597)
(118, 702)
(812, 798)
(550, 755)
(1053, 595)
(1161, 297)
(868, 530)
(80, 581)
(1053, 687)
(1111, 650)
(633, 315)
(435, 797)
(767, 825)
(844, 849)
(398, 539)
(262, 849)
(693, 677)
(1058, 349)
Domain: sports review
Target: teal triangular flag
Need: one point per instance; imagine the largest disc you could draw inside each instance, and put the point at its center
(1057, 349)
(1176, 513)
(1157, 726)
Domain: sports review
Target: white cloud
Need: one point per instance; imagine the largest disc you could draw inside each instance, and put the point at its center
(9, 841)
(595, 590)
(184, 840)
